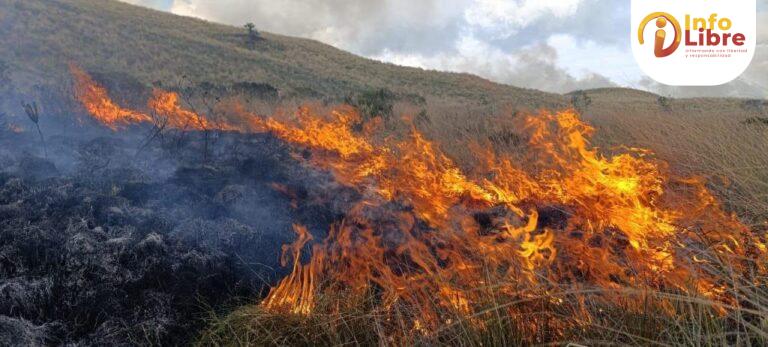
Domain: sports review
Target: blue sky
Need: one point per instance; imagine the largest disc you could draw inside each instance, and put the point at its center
(553, 45)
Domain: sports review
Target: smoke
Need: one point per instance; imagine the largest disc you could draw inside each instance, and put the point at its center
(137, 221)
(534, 66)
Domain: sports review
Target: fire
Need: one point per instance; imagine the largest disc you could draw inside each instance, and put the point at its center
(99, 105)
(164, 105)
(427, 236)
(14, 128)
(295, 291)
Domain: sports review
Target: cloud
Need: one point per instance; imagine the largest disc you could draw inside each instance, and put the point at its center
(506, 17)
(533, 66)
(156, 4)
(363, 27)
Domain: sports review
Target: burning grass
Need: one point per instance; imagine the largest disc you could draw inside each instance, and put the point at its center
(562, 316)
(559, 243)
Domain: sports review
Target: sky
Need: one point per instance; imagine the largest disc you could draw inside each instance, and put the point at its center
(551, 45)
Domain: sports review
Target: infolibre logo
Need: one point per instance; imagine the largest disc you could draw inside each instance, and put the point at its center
(709, 49)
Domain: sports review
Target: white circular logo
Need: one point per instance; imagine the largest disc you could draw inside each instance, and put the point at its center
(694, 42)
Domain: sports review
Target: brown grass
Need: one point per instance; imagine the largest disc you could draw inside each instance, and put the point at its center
(697, 137)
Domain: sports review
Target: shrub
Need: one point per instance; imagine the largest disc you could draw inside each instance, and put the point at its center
(374, 103)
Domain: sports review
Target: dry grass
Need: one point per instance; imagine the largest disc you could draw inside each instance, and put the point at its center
(706, 137)
(697, 137)
(711, 138)
(564, 315)
(111, 37)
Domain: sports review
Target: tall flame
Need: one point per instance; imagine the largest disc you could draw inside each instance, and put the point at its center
(571, 216)
(426, 235)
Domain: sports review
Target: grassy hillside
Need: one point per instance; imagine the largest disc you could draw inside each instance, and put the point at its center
(39, 37)
(714, 137)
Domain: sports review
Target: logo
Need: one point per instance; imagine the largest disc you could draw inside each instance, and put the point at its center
(662, 19)
(713, 44)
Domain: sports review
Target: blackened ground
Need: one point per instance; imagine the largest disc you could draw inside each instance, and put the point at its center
(113, 241)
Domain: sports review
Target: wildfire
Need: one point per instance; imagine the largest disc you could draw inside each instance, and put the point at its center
(99, 105)
(164, 105)
(14, 128)
(428, 236)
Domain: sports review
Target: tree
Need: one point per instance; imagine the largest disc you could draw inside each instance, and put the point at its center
(374, 103)
(664, 102)
(580, 100)
(253, 35)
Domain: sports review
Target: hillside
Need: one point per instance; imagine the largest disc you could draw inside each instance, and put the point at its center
(41, 36)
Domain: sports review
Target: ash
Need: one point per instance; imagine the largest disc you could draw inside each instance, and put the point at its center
(112, 239)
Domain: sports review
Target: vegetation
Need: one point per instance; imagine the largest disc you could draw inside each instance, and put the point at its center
(253, 35)
(665, 319)
(580, 100)
(722, 140)
(115, 37)
(374, 103)
(568, 313)
(33, 113)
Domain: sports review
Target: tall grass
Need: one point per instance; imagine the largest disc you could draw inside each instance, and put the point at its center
(564, 315)
(712, 143)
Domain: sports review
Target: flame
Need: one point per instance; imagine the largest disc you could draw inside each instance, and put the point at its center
(99, 105)
(164, 105)
(14, 128)
(296, 290)
(428, 236)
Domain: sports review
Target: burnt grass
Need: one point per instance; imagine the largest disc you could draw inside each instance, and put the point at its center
(112, 241)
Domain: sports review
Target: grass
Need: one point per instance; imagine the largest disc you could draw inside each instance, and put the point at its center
(560, 314)
(711, 138)
(115, 38)
(575, 316)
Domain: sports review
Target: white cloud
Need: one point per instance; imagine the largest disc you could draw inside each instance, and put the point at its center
(156, 4)
(535, 66)
(186, 8)
(582, 58)
(359, 26)
(507, 16)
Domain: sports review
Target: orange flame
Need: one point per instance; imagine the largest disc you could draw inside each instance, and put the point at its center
(164, 105)
(98, 104)
(619, 223)
(429, 236)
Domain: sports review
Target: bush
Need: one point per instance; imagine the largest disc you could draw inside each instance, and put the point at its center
(580, 100)
(374, 103)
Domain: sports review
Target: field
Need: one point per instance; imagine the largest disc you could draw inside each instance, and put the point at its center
(175, 162)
